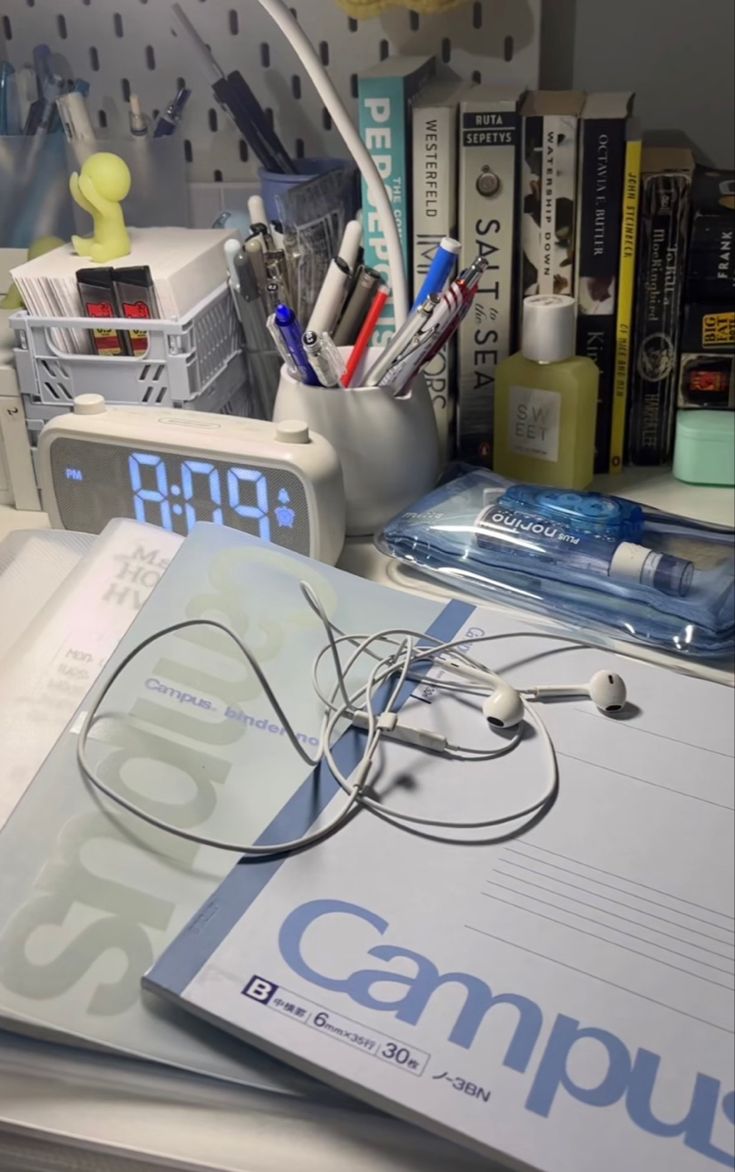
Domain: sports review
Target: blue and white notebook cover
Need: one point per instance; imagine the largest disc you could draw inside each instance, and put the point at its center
(558, 1000)
(91, 896)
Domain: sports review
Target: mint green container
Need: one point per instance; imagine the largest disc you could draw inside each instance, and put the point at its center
(704, 449)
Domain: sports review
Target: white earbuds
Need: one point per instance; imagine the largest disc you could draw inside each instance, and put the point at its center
(504, 707)
(606, 690)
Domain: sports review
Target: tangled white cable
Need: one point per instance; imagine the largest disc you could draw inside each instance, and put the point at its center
(403, 661)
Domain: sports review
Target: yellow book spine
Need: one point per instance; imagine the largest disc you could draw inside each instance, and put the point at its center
(626, 295)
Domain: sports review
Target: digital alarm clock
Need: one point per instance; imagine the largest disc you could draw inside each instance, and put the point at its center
(172, 468)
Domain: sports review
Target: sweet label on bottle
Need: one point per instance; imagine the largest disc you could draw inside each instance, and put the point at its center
(534, 417)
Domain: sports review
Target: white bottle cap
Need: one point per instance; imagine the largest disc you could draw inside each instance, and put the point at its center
(549, 327)
(629, 562)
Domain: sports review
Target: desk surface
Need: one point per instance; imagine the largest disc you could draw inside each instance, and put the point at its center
(655, 487)
(58, 1105)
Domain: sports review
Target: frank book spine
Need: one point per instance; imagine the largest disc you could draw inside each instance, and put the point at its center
(600, 194)
(489, 140)
(661, 258)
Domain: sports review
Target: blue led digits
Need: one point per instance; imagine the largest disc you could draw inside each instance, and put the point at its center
(157, 495)
(259, 511)
(190, 469)
(198, 485)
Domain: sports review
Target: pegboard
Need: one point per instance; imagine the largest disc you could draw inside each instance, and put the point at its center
(121, 46)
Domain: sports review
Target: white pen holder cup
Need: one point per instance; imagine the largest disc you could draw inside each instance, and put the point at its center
(388, 447)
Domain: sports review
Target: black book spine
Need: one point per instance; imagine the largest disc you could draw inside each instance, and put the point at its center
(661, 259)
(599, 209)
(711, 265)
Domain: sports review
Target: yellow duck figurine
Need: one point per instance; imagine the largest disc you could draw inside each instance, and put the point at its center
(100, 186)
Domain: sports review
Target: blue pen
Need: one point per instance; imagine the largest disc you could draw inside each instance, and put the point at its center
(440, 269)
(291, 332)
(169, 120)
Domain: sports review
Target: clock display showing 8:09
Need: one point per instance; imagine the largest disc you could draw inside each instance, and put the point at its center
(94, 483)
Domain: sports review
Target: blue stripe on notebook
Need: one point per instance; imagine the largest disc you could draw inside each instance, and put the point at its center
(182, 960)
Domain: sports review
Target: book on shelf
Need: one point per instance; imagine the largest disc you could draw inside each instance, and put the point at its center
(602, 135)
(434, 173)
(666, 177)
(548, 191)
(625, 292)
(544, 997)
(707, 355)
(489, 141)
(384, 97)
(707, 344)
(711, 259)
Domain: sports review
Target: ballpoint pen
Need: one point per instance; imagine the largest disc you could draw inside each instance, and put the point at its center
(349, 245)
(285, 320)
(364, 336)
(440, 269)
(331, 296)
(138, 120)
(445, 319)
(415, 322)
(264, 365)
(256, 210)
(236, 98)
(359, 300)
(254, 248)
(324, 357)
(171, 116)
(281, 346)
(276, 271)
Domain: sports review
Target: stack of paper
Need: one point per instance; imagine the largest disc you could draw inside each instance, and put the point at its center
(186, 265)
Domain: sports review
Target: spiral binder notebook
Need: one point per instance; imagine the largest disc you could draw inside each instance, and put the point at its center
(553, 1000)
(90, 897)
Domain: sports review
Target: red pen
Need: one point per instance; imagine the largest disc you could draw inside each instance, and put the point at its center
(366, 332)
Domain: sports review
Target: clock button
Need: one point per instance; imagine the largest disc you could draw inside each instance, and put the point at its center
(89, 404)
(292, 431)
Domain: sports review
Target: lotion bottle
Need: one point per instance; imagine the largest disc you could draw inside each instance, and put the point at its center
(546, 401)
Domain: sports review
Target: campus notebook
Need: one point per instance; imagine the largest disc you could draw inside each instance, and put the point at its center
(89, 897)
(561, 999)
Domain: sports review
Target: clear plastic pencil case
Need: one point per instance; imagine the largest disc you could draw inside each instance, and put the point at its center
(598, 561)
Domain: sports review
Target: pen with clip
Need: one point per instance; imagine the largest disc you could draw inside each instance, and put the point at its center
(324, 357)
(359, 300)
(445, 318)
(238, 101)
(253, 246)
(249, 305)
(171, 116)
(286, 322)
(440, 269)
(331, 296)
(414, 323)
(276, 273)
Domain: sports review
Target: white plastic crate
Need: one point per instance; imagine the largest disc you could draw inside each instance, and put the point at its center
(196, 362)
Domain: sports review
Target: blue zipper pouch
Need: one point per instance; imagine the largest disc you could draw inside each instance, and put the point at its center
(609, 564)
